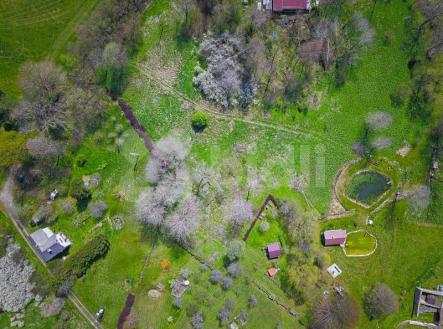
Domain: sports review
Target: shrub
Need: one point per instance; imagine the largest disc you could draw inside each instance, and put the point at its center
(224, 316)
(380, 302)
(216, 276)
(66, 206)
(199, 121)
(98, 209)
(227, 283)
(379, 120)
(53, 307)
(42, 215)
(80, 193)
(197, 321)
(335, 312)
(185, 273)
(192, 309)
(234, 269)
(165, 264)
(264, 226)
(230, 304)
(236, 249)
(252, 301)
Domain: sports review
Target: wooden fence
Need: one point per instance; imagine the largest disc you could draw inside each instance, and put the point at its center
(269, 199)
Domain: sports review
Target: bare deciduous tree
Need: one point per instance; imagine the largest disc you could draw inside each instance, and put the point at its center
(197, 321)
(344, 41)
(185, 220)
(380, 302)
(201, 177)
(150, 208)
(216, 276)
(43, 106)
(336, 312)
(238, 212)
(43, 148)
(86, 107)
(236, 249)
(168, 156)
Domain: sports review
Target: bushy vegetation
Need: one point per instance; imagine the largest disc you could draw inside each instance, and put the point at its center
(336, 312)
(77, 265)
(199, 121)
(380, 301)
(225, 80)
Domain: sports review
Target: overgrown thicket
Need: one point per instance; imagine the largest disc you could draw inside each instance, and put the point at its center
(244, 48)
(380, 302)
(335, 312)
(225, 80)
(303, 275)
(103, 41)
(423, 95)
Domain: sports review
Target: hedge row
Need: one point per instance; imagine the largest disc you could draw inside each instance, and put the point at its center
(77, 265)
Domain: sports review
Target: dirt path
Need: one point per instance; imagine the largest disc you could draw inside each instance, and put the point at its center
(213, 110)
(8, 205)
(138, 127)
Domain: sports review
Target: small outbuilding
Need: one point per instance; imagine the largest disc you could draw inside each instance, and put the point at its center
(334, 270)
(334, 237)
(290, 5)
(272, 272)
(273, 250)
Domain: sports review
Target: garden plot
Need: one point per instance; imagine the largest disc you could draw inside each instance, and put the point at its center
(359, 244)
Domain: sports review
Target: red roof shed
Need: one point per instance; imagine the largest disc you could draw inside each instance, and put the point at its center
(334, 237)
(274, 250)
(287, 5)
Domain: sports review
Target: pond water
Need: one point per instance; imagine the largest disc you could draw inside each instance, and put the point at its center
(367, 186)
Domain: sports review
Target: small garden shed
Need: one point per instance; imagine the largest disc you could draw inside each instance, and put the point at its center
(273, 250)
(334, 237)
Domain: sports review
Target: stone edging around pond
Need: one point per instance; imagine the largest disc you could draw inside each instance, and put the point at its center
(341, 179)
(364, 255)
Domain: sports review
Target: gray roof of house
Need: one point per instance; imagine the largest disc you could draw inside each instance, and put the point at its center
(46, 244)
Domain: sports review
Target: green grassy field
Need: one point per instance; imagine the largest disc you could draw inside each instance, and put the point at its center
(405, 258)
(33, 30)
(316, 144)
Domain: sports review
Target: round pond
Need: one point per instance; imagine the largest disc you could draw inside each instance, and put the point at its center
(366, 187)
